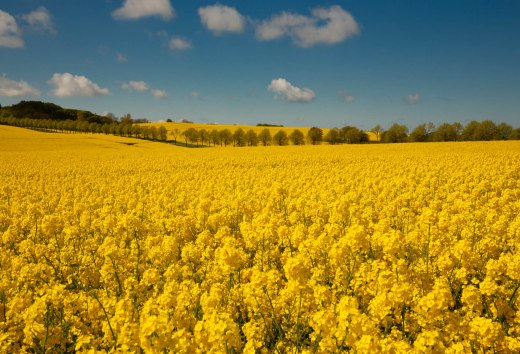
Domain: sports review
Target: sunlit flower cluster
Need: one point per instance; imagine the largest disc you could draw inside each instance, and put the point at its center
(106, 246)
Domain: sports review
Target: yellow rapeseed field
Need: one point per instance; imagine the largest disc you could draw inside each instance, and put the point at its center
(111, 244)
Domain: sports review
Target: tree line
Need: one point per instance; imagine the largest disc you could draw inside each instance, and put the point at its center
(51, 117)
(474, 131)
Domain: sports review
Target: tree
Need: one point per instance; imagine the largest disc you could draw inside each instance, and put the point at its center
(281, 138)
(504, 131)
(332, 136)
(191, 135)
(486, 130)
(175, 133)
(163, 133)
(468, 134)
(225, 137)
(397, 133)
(515, 134)
(126, 119)
(353, 135)
(204, 136)
(419, 134)
(251, 138)
(297, 137)
(315, 135)
(239, 137)
(154, 132)
(214, 137)
(265, 136)
(377, 131)
(169, 120)
(445, 132)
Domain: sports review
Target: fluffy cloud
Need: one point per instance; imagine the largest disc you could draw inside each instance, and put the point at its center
(10, 33)
(11, 88)
(413, 99)
(325, 26)
(179, 44)
(345, 96)
(40, 19)
(220, 19)
(67, 85)
(285, 90)
(134, 9)
(158, 94)
(135, 85)
(121, 58)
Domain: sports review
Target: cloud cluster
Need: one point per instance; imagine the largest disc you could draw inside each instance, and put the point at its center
(142, 86)
(158, 94)
(135, 85)
(40, 20)
(11, 88)
(413, 98)
(286, 91)
(325, 26)
(345, 96)
(68, 85)
(179, 44)
(135, 9)
(221, 19)
(10, 33)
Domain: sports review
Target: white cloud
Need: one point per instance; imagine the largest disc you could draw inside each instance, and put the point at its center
(220, 19)
(135, 85)
(40, 20)
(158, 94)
(179, 44)
(345, 96)
(195, 94)
(326, 26)
(285, 90)
(121, 58)
(413, 99)
(134, 9)
(67, 85)
(10, 33)
(11, 88)
(280, 25)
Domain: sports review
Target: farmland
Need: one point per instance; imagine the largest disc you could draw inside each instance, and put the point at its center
(116, 244)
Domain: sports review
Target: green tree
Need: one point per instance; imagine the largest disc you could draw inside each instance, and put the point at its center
(251, 138)
(297, 137)
(485, 131)
(265, 137)
(332, 136)
(419, 134)
(504, 131)
(353, 135)
(280, 138)
(445, 132)
(315, 135)
(469, 132)
(204, 136)
(163, 133)
(214, 136)
(239, 137)
(175, 133)
(397, 133)
(377, 131)
(225, 137)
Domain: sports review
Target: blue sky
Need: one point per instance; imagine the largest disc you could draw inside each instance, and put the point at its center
(303, 63)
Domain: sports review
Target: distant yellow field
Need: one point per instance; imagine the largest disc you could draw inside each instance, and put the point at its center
(120, 245)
